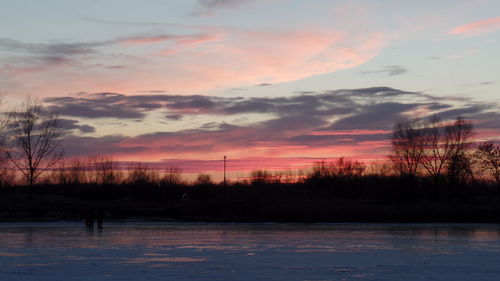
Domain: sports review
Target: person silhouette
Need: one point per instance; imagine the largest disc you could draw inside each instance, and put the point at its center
(100, 218)
(89, 220)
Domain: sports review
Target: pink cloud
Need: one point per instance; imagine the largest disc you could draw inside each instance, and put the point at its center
(240, 143)
(196, 40)
(179, 40)
(211, 58)
(250, 57)
(477, 28)
(138, 40)
(240, 164)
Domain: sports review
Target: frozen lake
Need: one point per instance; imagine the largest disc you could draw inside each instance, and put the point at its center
(151, 251)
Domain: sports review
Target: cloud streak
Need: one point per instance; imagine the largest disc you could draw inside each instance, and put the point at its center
(209, 7)
(477, 28)
(389, 70)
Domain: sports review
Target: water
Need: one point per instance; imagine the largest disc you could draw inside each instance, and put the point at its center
(149, 251)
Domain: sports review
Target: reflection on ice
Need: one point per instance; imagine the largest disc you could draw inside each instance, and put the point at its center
(126, 251)
(164, 259)
(5, 254)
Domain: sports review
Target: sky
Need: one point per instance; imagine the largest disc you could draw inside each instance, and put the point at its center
(272, 84)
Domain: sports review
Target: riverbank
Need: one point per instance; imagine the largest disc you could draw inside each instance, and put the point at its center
(16, 207)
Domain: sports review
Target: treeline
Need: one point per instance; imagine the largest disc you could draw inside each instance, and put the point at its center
(101, 178)
(444, 157)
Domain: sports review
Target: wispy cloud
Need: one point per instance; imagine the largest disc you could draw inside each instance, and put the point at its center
(101, 105)
(209, 7)
(221, 3)
(389, 70)
(33, 57)
(178, 40)
(477, 28)
(48, 49)
(463, 54)
(69, 125)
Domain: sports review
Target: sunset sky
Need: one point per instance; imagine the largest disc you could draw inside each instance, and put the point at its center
(270, 83)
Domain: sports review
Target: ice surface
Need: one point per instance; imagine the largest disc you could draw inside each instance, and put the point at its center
(149, 251)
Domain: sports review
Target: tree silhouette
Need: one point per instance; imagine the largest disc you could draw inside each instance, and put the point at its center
(458, 138)
(32, 140)
(6, 175)
(488, 157)
(408, 147)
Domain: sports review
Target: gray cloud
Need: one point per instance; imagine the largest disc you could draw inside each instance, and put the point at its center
(217, 4)
(49, 49)
(307, 104)
(115, 67)
(34, 57)
(221, 3)
(389, 70)
(485, 83)
(174, 116)
(102, 105)
(68, 124)
(77, 146)
(208, 7)
(291, 119)
(468, 110)
(378, 116)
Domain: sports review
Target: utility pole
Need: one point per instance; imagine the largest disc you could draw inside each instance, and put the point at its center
(225, 157)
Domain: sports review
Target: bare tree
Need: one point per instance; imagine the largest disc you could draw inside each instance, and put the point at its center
(103, 170)
(487, 156)
(172, 176)
(340, 168)
(380, 168)
(203, 179)
(436, 148)
(7, 177)
(76, 171)
(141, 174)
(347, 168)
(32, 140)
(408, 147)
(458, 139)
(432, 148)
(261, 177)
(3, 136)
(445, 147)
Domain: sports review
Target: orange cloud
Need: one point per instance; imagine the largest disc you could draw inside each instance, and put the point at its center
(477, 28)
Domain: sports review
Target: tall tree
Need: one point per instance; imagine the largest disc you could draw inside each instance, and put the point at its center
(6, 175)
(487, 156)
(32, 140)
(445, 147)
(429, 147)
(458, 138)
(3, 135)
(407, 147)
(436, 148)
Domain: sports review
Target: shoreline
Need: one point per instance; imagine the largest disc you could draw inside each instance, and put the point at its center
(231, 211)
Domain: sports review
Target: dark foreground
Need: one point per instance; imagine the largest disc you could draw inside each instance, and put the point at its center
(17, 207)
